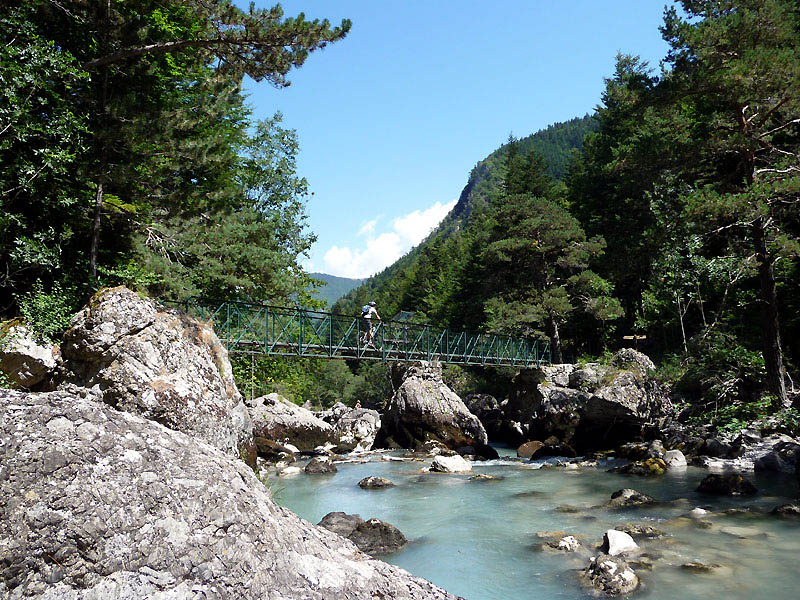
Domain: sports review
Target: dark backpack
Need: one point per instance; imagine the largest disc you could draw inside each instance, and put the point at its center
(365, 310)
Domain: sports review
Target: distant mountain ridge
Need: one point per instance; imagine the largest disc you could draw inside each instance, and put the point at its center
(335, 287)
(556, 143)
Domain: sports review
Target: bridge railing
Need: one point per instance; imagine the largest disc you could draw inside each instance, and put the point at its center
(282, 331)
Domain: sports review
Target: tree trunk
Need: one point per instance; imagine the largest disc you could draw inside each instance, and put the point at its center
(555, 341)
(773, 356)
(98, 207)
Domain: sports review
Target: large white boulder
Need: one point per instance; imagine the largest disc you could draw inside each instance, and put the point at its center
(450, 464)
(99, 503)
(276, 418)
(617, 542)
(425, 409)
(159, 363)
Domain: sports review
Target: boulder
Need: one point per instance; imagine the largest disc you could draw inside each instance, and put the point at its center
(424, 409)
(587, 378)
(782, 458)
(99, 503)
(611, 576)
(649, 467)
(674, 459)
(640, 531)
(159, 363)
(617, 542)
(628, 497)
(568, 543)
(588, 408)
(272, 451)
(24, 359)
(355, 430)
(374, 483)
(450, 464)
(529, 449)
(490, 413)
(276, 418)
(727, 484)
(373, 536)
(788, 511)
(320, 464)
(478, 451)
(485, 477)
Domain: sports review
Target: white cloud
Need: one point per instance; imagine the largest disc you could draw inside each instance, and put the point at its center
(385, 248)
(368, 228)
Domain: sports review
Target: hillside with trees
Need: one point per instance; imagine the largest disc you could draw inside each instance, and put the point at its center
(677, 222)
(128, 155)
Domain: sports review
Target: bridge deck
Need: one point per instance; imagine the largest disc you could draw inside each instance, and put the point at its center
(280, 331)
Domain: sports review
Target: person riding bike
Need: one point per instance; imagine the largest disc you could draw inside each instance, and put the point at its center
(367, 312)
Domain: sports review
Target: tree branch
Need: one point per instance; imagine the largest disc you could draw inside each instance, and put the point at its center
(175, 46)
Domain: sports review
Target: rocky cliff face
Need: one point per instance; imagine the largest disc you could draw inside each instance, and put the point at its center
(424, 409)
(159, 363)
(99, 503)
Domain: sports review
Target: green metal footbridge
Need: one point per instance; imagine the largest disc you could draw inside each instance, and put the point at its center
(281, 331)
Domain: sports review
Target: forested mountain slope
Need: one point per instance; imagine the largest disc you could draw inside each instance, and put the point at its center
(333, 287)
(556, 144)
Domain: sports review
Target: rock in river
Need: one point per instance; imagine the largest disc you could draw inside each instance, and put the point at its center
(617, 542)
(611, 576)
(728, 484)
(372, 536)
(374, 482)
(425, 409)
(320, 464)
(629, 497)
(99, 503)
(275, 418)
(450, 464)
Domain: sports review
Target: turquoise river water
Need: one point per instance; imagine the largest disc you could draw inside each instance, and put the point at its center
(477, 538)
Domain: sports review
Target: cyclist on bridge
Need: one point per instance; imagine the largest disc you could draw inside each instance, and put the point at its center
(367, 312)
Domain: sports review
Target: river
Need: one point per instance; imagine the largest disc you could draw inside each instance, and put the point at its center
(477, 539)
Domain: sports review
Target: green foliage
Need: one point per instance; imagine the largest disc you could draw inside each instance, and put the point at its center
(47, 313)
(127, 153)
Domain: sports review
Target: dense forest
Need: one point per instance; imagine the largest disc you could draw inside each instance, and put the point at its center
(128, 155)
(677, 222)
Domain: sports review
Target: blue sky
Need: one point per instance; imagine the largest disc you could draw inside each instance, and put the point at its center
(391, 119)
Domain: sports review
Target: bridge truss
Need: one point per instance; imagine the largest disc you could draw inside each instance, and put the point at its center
(281, 331)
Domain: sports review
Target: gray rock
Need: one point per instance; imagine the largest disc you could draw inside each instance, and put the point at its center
(373, 536)
(374, 482)
(728, 484)
(628, 497)
(632, 360)
(355, 430)
(99, 503)
(789, 511)
(587, 378)
(617, 542)
(159, 363)
(640, 531)
(450, 464)
(675, 459)
(782, 458)
(25, 360)
(625, 403)
(276, 418)
(610, 576)
(424, 409)
(320, 464)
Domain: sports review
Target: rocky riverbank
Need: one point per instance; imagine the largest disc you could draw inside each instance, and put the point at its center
(122, 470)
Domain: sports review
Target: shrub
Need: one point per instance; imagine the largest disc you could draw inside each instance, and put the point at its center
(47, 313)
